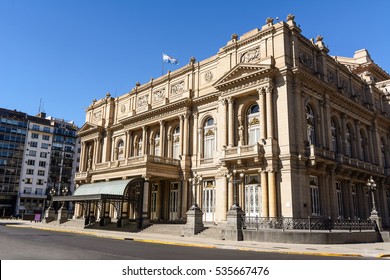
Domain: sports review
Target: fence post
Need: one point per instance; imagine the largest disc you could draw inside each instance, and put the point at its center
(330, 224)
(360, 226)
(350, 224)
(309, 223)
(257, 222)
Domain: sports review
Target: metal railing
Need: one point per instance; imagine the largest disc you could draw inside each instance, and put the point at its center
(309, 224)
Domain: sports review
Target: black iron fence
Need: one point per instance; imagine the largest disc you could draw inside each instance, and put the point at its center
(283, 223)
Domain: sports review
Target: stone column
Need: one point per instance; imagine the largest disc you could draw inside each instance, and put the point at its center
(184, 198)
(273, 210)
(145, 204)
(185, 134)
(264, 190)
(231, 121)
(343, 137)
(358, 151)
(144, 140)
(108, 145)
(230, 193)
(195, 138)
(223, 208)
(83, 157)
(162, 138)
(181, 134)
(222, 129)
(270, 112)
(263, 115)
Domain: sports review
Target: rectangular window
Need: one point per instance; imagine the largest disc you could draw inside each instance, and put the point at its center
(39, 191)
(46, 129)
(31, 162)
(34, 144)
(30, 171)
(354, 202)
(41, 172)
(32, 153)
(45, 146)
(339, 195)
(27, 190)
(35, 127)
(315, 196)
(39, 182)
(28, 181)
(34, 135)
(46, 137)
(42, 163)
(43, 155)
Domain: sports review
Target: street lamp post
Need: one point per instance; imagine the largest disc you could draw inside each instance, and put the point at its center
(374, 213)
(195, 181)
(233, 178)
(235, 215)
(194, 223)
(50, 212)
(64, 192)
(62, 215)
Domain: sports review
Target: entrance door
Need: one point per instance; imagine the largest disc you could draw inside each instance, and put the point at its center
(208, 202)
(153, 203)
(253, 200)
(173, 201)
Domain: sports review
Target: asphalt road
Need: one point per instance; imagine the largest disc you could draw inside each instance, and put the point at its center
(30, 244)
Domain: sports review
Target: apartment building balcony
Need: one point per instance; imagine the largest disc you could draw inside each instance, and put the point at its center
(240, 153)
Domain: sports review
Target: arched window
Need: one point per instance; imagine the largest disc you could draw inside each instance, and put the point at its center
(157, 144)
(121, 149)
(310, 125)
(348, 142)
(253, 118)
(176, 143)
(334, 136)
(208, 138)
(383, 155)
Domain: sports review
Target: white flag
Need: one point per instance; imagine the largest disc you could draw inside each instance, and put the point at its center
(169, 59)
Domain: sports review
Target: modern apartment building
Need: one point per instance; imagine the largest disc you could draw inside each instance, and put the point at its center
(36, 155)
(272, 122)
(13, 133)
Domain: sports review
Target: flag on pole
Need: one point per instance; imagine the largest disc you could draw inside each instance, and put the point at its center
(169, 59)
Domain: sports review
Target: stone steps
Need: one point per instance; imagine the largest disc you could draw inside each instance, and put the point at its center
(171, 229)
(211, 233)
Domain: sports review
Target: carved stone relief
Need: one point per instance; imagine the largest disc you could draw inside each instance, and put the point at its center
(142, 100)
(306, 59)
(159, 94)
(251, 56)
(208, 76)
(177, 88)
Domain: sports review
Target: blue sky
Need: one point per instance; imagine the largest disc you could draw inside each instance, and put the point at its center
(68, 53)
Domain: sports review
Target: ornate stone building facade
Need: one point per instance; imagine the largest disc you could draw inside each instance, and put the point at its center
(306, 131)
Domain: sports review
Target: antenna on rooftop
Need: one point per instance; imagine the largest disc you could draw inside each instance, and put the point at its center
(41, 106)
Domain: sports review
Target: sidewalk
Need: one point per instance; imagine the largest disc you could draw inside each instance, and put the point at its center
(371, 250)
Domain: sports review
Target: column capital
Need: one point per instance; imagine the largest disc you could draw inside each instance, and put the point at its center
(230, 100)
(223, 101)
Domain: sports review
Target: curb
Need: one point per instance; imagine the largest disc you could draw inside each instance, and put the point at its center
(159, 241)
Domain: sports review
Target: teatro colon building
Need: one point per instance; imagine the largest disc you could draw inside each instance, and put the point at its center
(271, 122)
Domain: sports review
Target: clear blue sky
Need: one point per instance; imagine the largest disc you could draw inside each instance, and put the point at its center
(68, 53)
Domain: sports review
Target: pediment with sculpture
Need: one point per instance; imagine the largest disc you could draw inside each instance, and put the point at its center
(243, 73)
(89, 128)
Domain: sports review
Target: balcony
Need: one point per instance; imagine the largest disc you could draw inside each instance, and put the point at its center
(138, 162)
(247, 152)
(354, 163)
